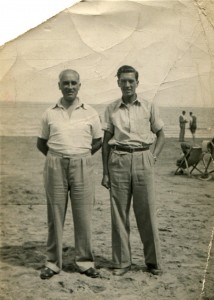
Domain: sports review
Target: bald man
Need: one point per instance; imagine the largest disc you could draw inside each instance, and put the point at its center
(70, 134)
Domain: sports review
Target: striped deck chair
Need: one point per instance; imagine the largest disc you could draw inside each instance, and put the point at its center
(208, 159)
(189, 161)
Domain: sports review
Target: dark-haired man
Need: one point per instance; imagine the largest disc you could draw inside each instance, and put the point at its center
(193, 125)
(131, 125)
(70, 133)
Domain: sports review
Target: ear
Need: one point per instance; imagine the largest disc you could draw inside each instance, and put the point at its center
(59, 85)
(118, 82)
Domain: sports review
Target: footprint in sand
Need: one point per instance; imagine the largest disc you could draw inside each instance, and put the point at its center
(97, 289)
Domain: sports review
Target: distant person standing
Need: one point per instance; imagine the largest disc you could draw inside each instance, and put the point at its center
(182, 122)
(193, 125)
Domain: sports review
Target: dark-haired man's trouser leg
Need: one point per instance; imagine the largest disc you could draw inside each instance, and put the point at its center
(131, 174)
(74, 175)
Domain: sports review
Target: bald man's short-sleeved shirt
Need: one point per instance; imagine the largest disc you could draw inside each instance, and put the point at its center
(70, 134)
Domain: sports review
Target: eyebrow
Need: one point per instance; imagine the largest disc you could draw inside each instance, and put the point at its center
(73, 82)
(130, 80)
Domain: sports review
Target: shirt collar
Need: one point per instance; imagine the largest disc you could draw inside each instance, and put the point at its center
(136, 102)
(79, 105)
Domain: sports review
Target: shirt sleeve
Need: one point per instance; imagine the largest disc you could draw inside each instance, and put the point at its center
(156, 122)
(107, 122)
(44, 130)
(96, 127)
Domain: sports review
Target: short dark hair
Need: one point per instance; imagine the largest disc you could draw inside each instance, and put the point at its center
(183, 112)
(127, 69)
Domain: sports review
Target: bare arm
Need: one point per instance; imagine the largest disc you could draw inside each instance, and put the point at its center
(96, 145)
(159, 143)
(42, 146)
(105, 155)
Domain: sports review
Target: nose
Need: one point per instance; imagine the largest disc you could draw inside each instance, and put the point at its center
(127, 83)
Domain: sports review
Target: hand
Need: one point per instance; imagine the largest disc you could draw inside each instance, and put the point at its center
(155, 158)
(106, 182)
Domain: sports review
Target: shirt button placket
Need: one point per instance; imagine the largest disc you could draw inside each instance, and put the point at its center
(132, 120)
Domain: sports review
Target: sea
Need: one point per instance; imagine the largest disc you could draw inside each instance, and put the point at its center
(23, 119)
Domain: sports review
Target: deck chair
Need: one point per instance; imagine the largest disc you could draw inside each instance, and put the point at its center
(208, 158)
(189, 161)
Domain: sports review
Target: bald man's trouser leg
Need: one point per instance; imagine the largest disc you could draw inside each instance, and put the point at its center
(132, 174)
(74, 175)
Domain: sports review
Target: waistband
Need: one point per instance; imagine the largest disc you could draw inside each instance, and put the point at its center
(70, 156)
(128, 149)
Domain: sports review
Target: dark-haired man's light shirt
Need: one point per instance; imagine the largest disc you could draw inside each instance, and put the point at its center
(133, 126)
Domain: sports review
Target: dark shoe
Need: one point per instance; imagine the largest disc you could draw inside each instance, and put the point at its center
(91, 272)
(153, 269)
(47, 273)
(122, 271)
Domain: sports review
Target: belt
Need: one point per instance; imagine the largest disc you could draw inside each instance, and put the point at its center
(128, 149)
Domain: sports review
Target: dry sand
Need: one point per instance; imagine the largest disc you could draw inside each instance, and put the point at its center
(185, 214)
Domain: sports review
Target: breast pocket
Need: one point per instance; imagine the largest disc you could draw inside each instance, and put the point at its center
(143, 124)
(81, 127)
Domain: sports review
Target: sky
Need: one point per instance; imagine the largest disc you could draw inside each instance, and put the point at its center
(169, 42)
(17, 17)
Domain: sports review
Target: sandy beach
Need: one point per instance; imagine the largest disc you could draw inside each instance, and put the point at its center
(185, 209)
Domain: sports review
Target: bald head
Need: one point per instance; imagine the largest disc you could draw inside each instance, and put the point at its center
(69, 84)
(69, 71)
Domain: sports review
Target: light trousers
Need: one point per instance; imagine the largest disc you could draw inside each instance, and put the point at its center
(74, 176)
(132, 176)
(182, 133)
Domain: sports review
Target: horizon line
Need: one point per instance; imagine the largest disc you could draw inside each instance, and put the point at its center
(103, 103)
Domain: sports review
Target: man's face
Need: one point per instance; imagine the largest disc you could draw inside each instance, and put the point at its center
(69, 85)
(128, 84)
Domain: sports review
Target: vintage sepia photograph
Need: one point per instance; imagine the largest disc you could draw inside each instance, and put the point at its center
(107, 154)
